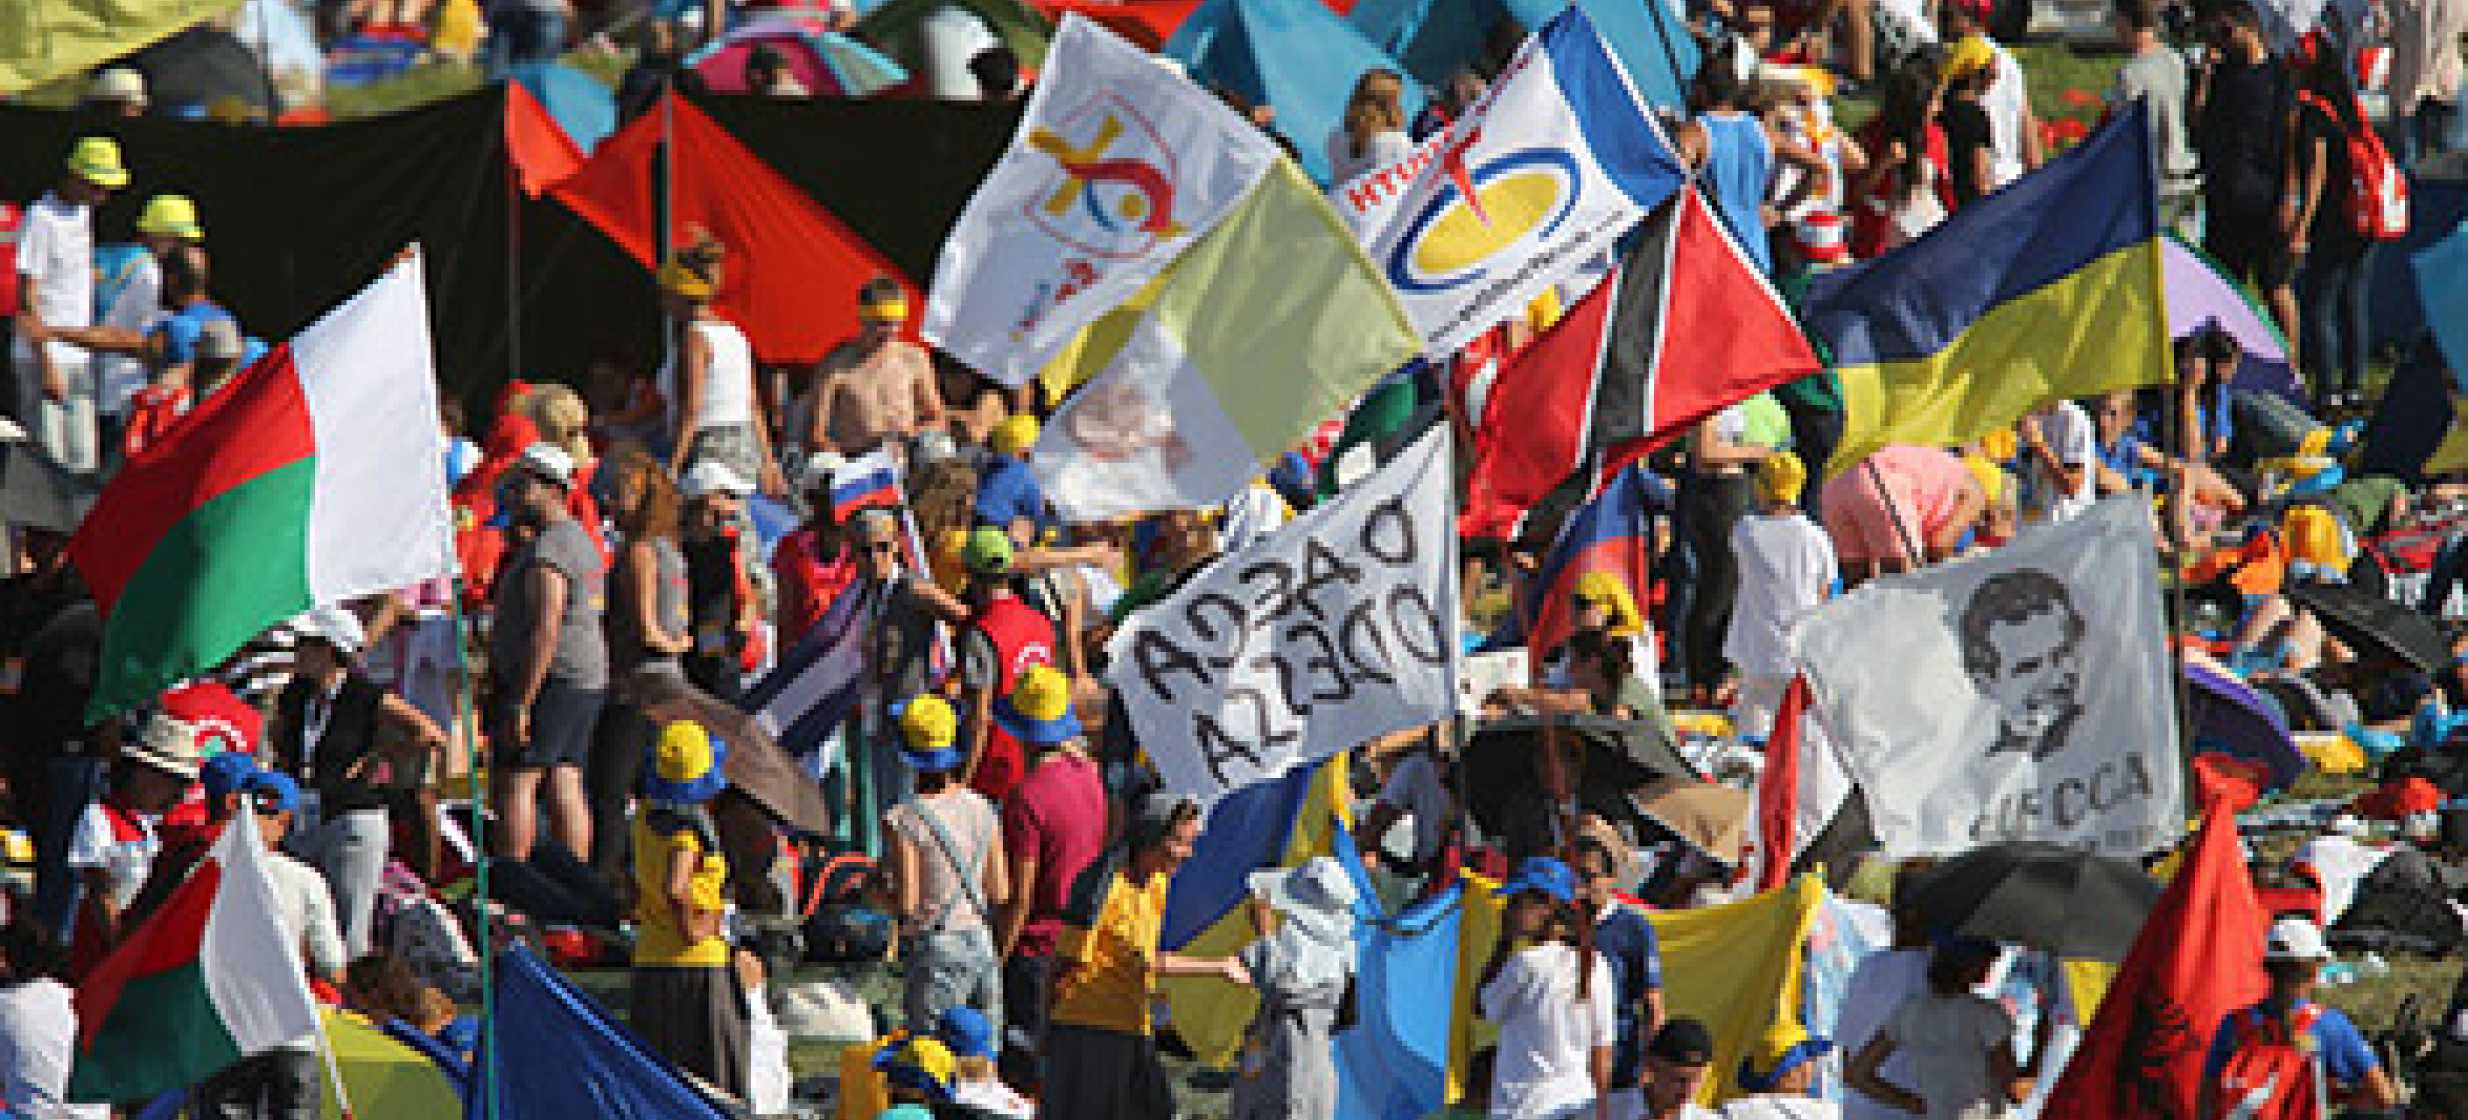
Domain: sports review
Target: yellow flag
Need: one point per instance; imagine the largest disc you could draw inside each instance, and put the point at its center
(45, 39)
(1736, 969)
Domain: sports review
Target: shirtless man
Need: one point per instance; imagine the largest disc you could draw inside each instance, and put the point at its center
(877, 386)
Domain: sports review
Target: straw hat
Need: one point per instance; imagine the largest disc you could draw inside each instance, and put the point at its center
(167, 745)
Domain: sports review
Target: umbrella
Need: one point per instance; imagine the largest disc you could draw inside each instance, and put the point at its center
(755, 766)
(2229, 717)
(827, 63)
(2056, 898)
(1620, 755)
(201, 69)
(1707, 816)
(37, 492)
(2201, 295)
(2363, 620)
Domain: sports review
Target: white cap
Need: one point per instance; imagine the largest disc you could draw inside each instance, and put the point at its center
(712, 476)
(2295, 939)
(334, 626)
(818, 468)
(549, 461)
(118, 83)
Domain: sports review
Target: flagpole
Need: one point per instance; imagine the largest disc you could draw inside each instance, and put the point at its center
(479, 847)
(334, 1071)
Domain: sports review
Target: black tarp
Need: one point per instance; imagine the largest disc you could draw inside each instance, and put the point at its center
(299, 218)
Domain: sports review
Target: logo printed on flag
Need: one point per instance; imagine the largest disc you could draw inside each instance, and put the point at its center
(1119, 165)
(1557, 162)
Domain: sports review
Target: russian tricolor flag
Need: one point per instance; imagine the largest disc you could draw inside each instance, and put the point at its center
(870, 480)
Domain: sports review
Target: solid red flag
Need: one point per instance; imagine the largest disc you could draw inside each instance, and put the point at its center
(1684, 329)
(1778, 789)
(538, 147)
(2198, 958)
(792, 273)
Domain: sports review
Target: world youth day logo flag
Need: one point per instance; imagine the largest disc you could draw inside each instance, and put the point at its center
(1545, 175)
(2022, 695)
(1119, 165)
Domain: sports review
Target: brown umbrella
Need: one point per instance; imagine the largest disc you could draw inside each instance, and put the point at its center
(1708, 816)
(755, 766)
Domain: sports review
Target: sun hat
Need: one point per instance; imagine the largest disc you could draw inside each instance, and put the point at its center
(1013, 435)
(96, 159)
(710, 477)
(685, 765)
(1970, 56)
(2295, 940)
(227, 773)
(1781, 477)
(1594, 830)
(966, 1031)
(171, 215)
(677, 279)
(919, 1063)
(1039, 707)
(987, 551)
(549, 462)
(167, 745)
(1683, 1041)
(1542, 875)
(334, 626)
(275, 791)
(118, 83)
(1784, 1047)
(928, 728)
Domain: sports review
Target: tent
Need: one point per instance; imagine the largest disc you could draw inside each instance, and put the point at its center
(559, 1054)
(935, 39)
(1295, 56)
(828, 63)
(205, 69)
(384, 1076)
(1433, 38)
(2201, 295)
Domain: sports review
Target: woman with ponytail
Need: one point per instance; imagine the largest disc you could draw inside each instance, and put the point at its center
(1554, 1000)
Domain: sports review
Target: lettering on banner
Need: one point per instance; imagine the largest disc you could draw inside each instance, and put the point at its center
(2070, 804)
(1347, 618)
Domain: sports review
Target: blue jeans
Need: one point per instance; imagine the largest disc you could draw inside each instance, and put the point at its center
(2332, 332)
(71, 783)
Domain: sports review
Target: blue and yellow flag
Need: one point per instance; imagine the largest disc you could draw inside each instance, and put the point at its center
(2047, 289)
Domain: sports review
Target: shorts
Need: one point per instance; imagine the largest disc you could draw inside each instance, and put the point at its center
(1868, 525)
(561, 721)
(2250, 247)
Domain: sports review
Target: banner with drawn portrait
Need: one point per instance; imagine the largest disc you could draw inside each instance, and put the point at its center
(1338, 627)
(2021, 695)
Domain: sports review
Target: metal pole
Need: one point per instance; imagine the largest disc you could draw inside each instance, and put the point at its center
(479, 848)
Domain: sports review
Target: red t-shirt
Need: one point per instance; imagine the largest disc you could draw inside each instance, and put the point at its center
(1057, 817)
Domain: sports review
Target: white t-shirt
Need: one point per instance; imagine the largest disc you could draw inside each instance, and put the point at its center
(137, 307)
(1948, 1038)
(55, 260)
(1414, 788)
(2070, 434)
(1879, 984)
(38, 1041)
(728, 385)
(95, 844)
(307, 909)
(1547, 1036)
(2005, 102)
(1385, 148)
(1786, 565)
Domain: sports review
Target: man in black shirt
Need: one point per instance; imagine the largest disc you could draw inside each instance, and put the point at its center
(2245, 106)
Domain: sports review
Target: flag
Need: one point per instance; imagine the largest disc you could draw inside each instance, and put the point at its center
(2441, 269)
(2020, 695)
(1736, 968)
(2049, 288)
(312, 478)
(1613, 533)
(1556, 163)
(1778, 835)
(815, 687)
(211, 978)
(2198, 958)
(1337, 627)
(1120, 165)
(44, 40)
(557, 1052)
(1265, 327)
(1685, 328)
(792, 271)
(871, 480)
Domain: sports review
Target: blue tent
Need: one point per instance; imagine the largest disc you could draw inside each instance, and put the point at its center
(1295, 56)
(559, 1055)
(581, 104)
(1435, 38)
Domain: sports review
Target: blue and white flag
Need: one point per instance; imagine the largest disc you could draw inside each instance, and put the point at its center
(815, 687)
(1540, 178)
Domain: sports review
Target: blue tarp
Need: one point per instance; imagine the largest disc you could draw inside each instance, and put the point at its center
(1295, 56)
(560, 1056)
(581, 104)
(1435, 38)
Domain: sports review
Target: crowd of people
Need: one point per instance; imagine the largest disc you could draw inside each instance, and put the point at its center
(637, 553)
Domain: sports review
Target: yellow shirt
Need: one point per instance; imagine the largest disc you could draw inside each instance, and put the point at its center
(1108, 972)
(658, 939)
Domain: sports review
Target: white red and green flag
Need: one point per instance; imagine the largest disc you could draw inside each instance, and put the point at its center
(210, 979)
(314, 476)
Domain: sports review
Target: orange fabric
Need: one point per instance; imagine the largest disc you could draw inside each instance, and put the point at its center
(792, 271)
(541, 152)
(2258, 567)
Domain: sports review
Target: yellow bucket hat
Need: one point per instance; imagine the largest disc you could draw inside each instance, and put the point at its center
(1039, 707)
(1014, 435)
(1609, 590)
(1784, 1047)
(1781, 477)
(171, 215)
(686, 765)
(96, 159)
(1969, 56)
(928, 728)
(677, 279)
(918, 1063)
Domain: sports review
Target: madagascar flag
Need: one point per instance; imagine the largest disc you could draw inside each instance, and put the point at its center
(313, 477)
(2199, 957)
(1687, 327)
(210, 979)
(2047, 289)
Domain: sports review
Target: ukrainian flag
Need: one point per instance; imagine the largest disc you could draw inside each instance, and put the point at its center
(2047, 289)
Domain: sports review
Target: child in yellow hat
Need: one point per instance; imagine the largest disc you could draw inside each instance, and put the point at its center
(684, 991)
(1787, 567)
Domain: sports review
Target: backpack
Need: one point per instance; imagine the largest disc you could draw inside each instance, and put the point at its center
(2268, 1076)
(2377, 188)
